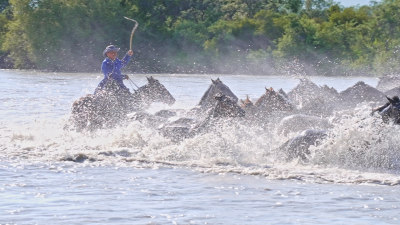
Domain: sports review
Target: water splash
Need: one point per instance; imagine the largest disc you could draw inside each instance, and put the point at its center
(360, 141)
(359, 149)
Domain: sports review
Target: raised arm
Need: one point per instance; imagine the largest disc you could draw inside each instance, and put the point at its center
(127, 58)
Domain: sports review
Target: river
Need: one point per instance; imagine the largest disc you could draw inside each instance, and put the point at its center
(135, 176)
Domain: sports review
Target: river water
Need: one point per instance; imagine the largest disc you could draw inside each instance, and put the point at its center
(135, 176)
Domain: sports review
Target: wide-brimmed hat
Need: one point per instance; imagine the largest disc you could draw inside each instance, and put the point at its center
(110, 48)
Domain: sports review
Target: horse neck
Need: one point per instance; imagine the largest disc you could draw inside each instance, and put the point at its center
(142, 93)
(227, 108)
(263, 100)
(206, 95)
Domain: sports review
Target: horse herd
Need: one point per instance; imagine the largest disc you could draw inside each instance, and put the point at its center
(304, 110)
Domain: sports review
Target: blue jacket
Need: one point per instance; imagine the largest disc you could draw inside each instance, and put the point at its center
(112, 70)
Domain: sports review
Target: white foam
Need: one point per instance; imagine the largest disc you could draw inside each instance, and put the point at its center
(360, 141)
(359, 149)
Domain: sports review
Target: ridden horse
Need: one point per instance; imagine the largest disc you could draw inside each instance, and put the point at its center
(111, 104)
(101, 109)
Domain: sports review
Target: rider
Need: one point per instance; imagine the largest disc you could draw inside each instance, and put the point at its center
(394, 100)
(111, 67)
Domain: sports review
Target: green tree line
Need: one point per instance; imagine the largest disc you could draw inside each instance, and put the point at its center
(203, 36)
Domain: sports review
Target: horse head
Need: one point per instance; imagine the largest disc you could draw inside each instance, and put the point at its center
(283, 93)
(154, 91)
(361, 92)
(216, 87)
(226, 107)
(273, 101)
(247, 103)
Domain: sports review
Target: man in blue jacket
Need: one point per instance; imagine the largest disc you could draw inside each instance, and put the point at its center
(111, 67)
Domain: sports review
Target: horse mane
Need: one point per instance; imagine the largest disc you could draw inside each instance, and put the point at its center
(205, 95)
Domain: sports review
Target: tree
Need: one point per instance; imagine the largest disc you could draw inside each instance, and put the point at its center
(386, 36)
(293, 6)
(52, 34)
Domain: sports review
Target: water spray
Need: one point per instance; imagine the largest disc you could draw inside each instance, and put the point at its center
(133, 30)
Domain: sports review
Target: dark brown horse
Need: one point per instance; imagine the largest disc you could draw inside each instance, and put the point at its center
(152, 92)
(226, 107)
(217, 87)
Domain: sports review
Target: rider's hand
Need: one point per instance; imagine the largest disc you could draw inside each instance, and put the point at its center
(130, 53)
(126, 77)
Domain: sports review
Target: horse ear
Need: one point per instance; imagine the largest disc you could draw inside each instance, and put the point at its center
(150, 79)
(213, 81)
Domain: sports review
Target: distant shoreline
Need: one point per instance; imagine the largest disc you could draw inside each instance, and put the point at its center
(192, 74)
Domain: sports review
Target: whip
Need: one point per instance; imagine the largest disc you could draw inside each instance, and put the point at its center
(133, 30)
(130, 44)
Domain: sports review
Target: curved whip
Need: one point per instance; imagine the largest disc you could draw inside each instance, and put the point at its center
(133, 30)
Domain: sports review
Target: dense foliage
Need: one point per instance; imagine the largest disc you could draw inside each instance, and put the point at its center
(204, 36)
